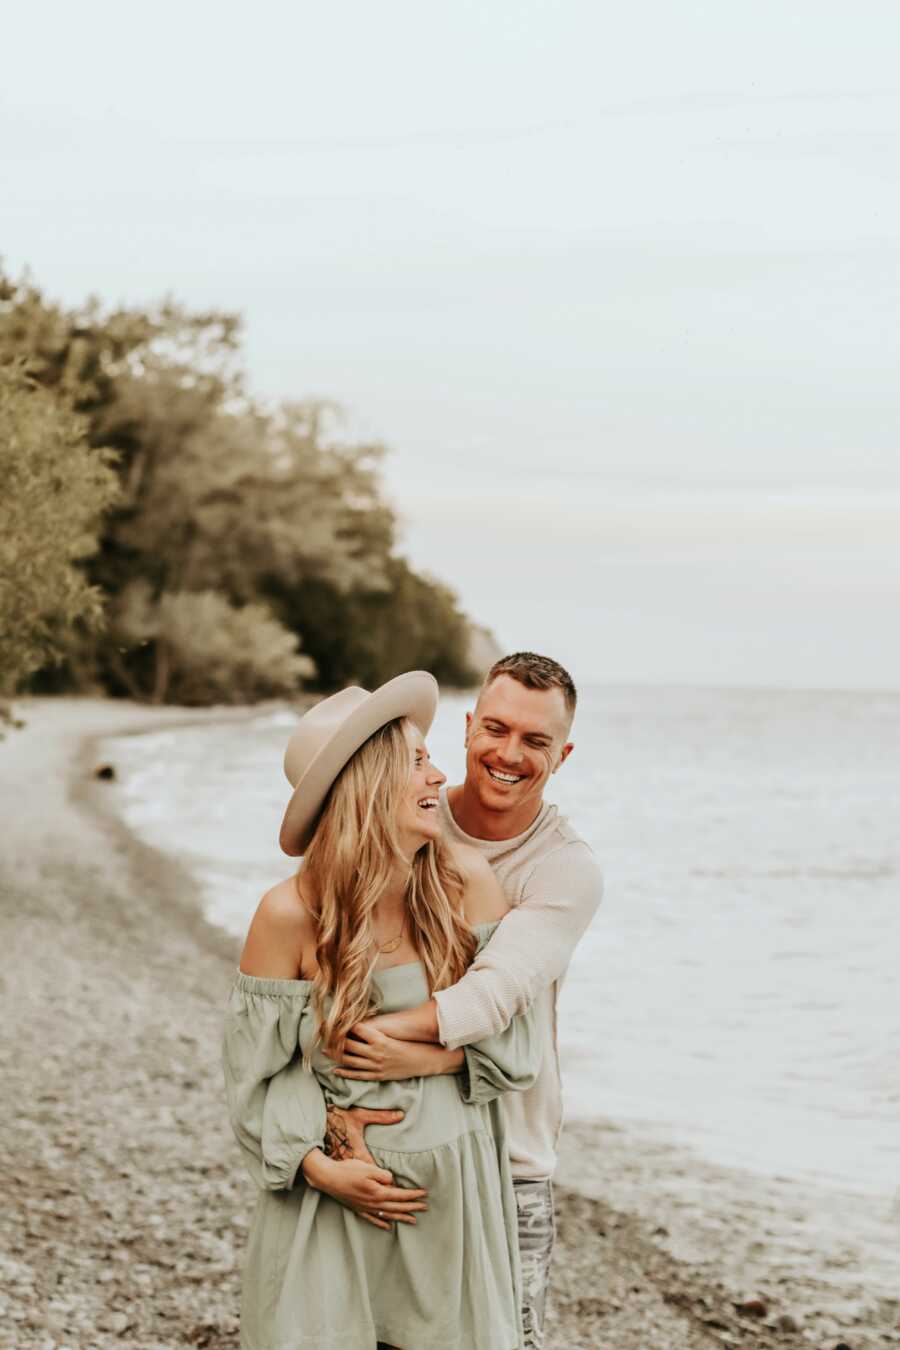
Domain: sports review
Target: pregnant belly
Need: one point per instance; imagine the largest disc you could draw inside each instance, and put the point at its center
(434, 1112)
(466, 1170)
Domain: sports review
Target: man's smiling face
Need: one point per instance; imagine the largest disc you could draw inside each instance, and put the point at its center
(515, 739)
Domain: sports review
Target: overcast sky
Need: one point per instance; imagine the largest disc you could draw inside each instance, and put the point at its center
(618, 285)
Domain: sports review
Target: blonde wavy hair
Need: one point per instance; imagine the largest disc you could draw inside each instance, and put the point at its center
(353, 856)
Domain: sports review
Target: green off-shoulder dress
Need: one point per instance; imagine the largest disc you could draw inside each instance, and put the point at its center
(317, 1277)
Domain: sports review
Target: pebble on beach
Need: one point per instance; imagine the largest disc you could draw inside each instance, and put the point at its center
(753, 1307)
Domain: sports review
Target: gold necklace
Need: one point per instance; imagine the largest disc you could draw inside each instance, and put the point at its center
(392, 944)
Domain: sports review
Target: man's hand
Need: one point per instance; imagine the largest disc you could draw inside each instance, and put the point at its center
(371, 1055)
(345, 1131)
(366, 1189)
(413, 1024)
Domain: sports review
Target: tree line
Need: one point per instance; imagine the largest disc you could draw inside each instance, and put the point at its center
(165, 536)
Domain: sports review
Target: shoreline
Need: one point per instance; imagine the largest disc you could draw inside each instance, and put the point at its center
(129, 1205)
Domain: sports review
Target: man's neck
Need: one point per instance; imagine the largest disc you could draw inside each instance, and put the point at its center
(473, 820)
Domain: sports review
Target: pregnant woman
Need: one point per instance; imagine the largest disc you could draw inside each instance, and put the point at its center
(418, 1250)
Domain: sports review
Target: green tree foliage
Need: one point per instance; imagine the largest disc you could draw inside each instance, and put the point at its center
(82, 354)
(365, 636)
(210, 651)
(222, 499)
(55, 487)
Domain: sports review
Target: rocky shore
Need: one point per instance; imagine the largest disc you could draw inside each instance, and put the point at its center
(125, 1208)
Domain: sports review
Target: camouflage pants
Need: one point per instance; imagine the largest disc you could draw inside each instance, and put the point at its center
(537, 1229)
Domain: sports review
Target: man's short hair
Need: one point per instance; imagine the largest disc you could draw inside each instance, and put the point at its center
(535, 672)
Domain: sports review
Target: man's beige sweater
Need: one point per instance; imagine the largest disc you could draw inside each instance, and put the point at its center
(552, 881)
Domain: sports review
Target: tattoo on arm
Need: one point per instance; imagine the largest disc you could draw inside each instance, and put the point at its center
(337, 1139)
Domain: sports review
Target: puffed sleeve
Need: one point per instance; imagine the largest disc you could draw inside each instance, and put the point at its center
(507, 1061)
(276, 1106)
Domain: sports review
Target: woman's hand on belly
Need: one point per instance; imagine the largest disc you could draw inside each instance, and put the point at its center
(370, 1055)
(365, 1188)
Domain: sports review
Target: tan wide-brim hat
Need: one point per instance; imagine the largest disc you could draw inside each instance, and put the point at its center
(330, 734)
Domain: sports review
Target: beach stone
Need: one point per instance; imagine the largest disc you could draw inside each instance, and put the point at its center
(116, 1322)
(752, 1307)
(787, 1323)
(105, 772)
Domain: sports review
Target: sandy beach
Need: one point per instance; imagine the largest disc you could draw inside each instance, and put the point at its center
(125, 1206)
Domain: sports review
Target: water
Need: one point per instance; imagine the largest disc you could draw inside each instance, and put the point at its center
(737, 990)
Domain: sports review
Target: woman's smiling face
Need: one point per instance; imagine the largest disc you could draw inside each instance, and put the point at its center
(515, 739)
(418, 816)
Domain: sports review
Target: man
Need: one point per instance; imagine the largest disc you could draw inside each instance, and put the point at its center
(516, 739)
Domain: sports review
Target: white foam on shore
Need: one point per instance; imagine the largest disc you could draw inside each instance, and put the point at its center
(736, 992)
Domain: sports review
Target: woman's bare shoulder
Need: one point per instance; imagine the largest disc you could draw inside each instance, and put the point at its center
(483, 898)
(282, 931)
(286, 904)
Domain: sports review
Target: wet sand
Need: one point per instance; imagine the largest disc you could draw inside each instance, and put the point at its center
(125, 1206)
